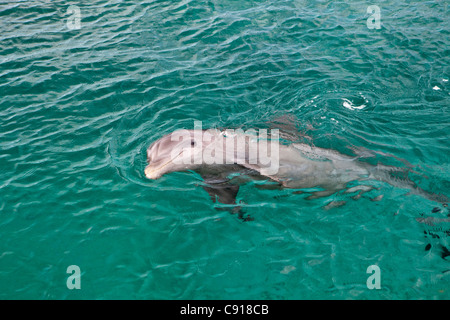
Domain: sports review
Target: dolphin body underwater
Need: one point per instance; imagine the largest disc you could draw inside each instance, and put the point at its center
(227, 159)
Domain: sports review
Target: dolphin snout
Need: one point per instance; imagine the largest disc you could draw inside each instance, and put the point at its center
(151, 173)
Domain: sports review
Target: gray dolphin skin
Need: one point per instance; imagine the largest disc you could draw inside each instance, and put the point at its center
(226, 159)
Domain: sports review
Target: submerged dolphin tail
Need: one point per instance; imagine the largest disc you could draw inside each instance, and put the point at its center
(399, 177)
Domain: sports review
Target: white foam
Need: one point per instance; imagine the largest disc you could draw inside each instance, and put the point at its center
(350, 106)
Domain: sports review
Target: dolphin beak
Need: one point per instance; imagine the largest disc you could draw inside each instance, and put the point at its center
(155, 173)
(151, 173)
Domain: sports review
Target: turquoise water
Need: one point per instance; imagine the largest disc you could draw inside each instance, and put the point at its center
(80, 103)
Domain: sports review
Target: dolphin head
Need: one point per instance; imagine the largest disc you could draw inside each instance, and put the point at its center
(177, 151)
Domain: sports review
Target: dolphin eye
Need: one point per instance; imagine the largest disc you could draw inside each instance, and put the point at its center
(193, 143)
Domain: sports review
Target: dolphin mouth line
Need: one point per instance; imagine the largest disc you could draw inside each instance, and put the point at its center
(148, 172)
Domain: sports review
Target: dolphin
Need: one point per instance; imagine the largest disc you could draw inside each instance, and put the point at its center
(227, 158)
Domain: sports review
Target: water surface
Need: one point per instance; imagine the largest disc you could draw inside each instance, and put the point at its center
(79, 107)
